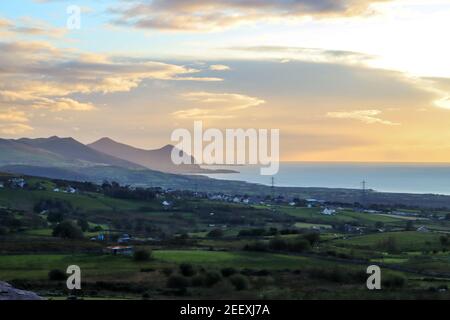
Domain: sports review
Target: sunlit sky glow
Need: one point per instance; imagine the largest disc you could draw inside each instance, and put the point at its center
(344, 80)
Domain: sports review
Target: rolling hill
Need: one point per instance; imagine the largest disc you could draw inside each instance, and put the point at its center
(159, 159)
(69, 148)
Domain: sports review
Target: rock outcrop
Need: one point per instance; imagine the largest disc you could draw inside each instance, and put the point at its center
(8, 292)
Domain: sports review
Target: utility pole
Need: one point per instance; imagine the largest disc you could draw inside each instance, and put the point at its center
(364, 192)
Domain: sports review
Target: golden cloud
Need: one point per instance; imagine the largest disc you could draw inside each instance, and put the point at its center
(40, 75)
(193, 15)
(216, 105)
(13, 121)
(366, 116)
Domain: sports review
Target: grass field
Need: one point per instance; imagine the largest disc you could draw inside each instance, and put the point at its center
(24, 200)
(37, 266)
(406, 241)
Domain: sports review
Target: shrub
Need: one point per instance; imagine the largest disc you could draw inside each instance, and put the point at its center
(55, 217)
(142, 255)
(299, 245)
(83, 224)
(227, 272)
(211, 278)
(167, 271)
(67, 230)
(239, 282)
(216, 233)
(278, 244)
(256, 246)
(390, 245)
(187, 269)
(57, 275)
(3, 231)
(393, 281)
(313, 238)
(198, 281)
(177, 282)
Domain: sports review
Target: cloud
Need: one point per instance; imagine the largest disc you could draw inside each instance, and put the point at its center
(13, 122)
(15, 128)
(29, 26)
(204, 16)
(440, 87)
(216, 105)
(63, 104)
(40, 75)
(285, 53)
(219, 67)
(366, 116)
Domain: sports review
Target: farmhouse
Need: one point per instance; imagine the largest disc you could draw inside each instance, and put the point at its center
(328, 212)
(423, 229)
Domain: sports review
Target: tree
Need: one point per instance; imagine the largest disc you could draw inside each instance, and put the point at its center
(83, 224)
(187, 269)
(67, 230)
(410, 226)
(212, 277)
(278, 244)
(177, 282)
(55, 217)
(142, 255)
(313, 238)
(216, 233)
(299, 245)
(444, 240)
(57, 275)
(239, 282)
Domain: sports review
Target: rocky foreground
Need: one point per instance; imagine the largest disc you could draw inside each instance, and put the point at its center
(8, 292)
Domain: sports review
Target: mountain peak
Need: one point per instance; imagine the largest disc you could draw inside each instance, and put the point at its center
(168, 147)
(104, 140)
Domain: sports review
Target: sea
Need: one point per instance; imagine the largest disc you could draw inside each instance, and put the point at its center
(422, 178)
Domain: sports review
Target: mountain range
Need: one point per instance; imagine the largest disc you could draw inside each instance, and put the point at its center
(67, 158)
(159, 159)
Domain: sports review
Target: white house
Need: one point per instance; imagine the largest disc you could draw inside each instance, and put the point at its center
(422, 229)
(328, 212)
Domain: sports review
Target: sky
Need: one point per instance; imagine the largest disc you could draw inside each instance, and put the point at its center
(343, 80)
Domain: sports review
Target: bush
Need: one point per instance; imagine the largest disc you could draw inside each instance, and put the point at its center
(239, 282)
(167, 271)
(198, 281)
(177, 282)
(390, 245)
(67, 230)
(3, 231)
(142, 255)
(216, 233)
(227, 272)
(393, 281)
(57, 275)
(313, 238)
(211, 278)
(83, 224)
(55, 217)
(256, 246)
(299, 245)
(278, 244)
(187, 269)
